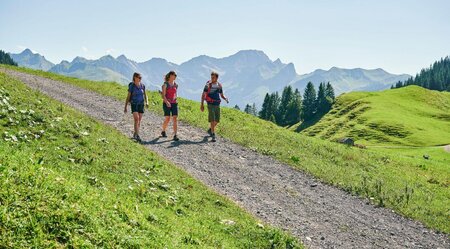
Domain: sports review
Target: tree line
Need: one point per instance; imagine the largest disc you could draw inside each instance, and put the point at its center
(291, 108)
(6, 59)
(436, 77)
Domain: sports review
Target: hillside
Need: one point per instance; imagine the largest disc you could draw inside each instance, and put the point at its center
(386, 180)
(246, 75)
(411, 115)
(69, 181)
(435, 77)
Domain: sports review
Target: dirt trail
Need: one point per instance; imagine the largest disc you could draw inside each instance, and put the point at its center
(320, 215)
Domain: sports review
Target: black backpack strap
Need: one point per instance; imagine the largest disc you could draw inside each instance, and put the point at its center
(132, 88)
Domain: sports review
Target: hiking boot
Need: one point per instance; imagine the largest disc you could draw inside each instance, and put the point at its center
(175, 138)
(138, 139)
(163, 134)
(210, 132)
(213, 137)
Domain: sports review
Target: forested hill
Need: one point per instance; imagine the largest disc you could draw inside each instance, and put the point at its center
(436, 77)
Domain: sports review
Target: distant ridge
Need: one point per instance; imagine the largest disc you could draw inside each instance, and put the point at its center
(246, 75)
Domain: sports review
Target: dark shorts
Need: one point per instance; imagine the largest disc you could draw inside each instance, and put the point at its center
(213, 113)
(137, 107)
(173, 110)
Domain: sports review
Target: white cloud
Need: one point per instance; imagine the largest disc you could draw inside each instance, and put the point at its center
(110, 51)
(85, 49)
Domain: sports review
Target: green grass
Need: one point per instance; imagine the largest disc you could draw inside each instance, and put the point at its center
(390, 180)
(412, 116)
(69, 181)
(403, 123)
(438, 157)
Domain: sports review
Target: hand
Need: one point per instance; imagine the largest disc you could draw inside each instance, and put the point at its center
(227, 100)
(168, 104)
(146, 105)
(202, 108)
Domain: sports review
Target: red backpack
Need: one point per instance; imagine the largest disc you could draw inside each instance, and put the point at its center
(209, 99)
(172, 96)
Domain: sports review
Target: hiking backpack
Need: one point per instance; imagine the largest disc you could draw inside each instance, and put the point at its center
(209, 99)
(175, 85)
(133, 86)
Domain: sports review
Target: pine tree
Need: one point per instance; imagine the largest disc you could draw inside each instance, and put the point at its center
(264, 113)
(254, 110)
(330, 91)
(309, 102)
(294, 109)
(269, 107)
(237, 107)
(286, 98)
(325, 98)
(6, 59)
(436, 77)
(274, 104)
(321, 102)
(248, 109)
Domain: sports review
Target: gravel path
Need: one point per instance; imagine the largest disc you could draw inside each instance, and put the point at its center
(320, 215)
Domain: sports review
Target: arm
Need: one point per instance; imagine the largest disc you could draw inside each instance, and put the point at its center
(202, 107)
(164, 95)
(127, 101)
(146, 99)
(223, 96)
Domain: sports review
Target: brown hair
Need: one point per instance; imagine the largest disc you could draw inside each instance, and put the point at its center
(136, 75)
(215, 73)
(167, 77)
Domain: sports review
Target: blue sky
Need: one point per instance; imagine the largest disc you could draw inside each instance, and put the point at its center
(399, 36)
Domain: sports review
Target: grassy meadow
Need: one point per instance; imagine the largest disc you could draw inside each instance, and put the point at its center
(67, 180)
(409, 116)
(414, 187)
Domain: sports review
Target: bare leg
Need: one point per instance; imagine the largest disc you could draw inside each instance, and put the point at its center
(166, 123)
(175, 125)
(140, 119)
(136, 123)
(213, 126)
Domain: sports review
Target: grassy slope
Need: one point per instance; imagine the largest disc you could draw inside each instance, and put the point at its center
(412, 116)
(406, 122)
(401, 183)
(67, 180)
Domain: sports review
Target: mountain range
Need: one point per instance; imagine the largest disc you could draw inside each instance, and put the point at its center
(32, 60)
(246, 76)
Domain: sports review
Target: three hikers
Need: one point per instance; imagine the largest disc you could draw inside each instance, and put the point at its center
(212, 93)
(137, 98)
(170, 105)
